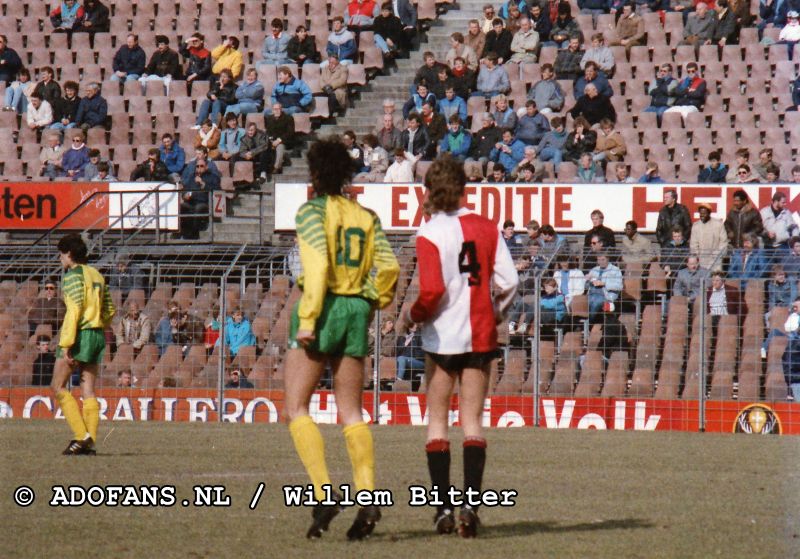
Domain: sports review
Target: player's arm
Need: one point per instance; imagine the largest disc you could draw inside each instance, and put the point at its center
(388, 269)
(73, 300)
(431, 281)
(505, 278)
(310, 223)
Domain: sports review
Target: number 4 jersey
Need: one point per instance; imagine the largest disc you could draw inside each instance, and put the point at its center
(461, 256)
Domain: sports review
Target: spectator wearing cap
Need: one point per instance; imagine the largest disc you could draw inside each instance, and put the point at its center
(743, 218)
(492, 78)
(275, 50)
(715, 171)
(567, 64)
(772, 13)
(164, 65)
(671, 215)
(341, 42)
(199, 67)
(227, 57)
(630, 31)
(129, 61)
(238, 380)
(249, 95)
(498, 42)
(790, 34)
(532, 125)
(67, 16)
(47, 309)
(547, 92)
(551, 146)
(93, 108)
(709, 239)
(459, 49)
(302, 47)
(90, 171)
(779, 225)
(635, 247)
(601, 55)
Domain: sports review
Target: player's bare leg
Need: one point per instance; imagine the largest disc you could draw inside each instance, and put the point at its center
(348, 383)
(440, 390)
(473, 390)
(69, 407)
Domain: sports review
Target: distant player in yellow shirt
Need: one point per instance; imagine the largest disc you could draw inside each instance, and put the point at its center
(340, 244)
(82, 342)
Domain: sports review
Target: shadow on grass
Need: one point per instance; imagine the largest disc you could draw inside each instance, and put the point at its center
(531, 527)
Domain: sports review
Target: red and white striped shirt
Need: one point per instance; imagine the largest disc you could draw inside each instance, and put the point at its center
(459, 255)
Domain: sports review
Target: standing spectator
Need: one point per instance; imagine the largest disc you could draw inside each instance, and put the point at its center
(621, 175)
(567, 65)
(593, 76)
(662, 91)
(504, 116)
(498, 41)
(280, 131)
(75, 158)
(275, 51)
(414, 139)
(195, 201)
(65, 109)
(700, 27)
(541, 23)
(458, 49)
(564, 29)
(255, 147)
(133, 329)
(492, 78)
(388, 135)
(47, 309)
(129, 61)
(457, 141)
(39, 114)
(292, 93)
(151, 170)
(708, 240)
(208, 137)
(388, 32)
(742, 218)
(44, 363)
(164, 65)
(630, 30)
(333, 82)
(95, 17)
(674, 253)
(415, 102)
(462, 78)
(508, 152)
(220, 94)
(401, 170)
(715, 171)
(249, 95)
(547, 92)
(483, 142)
(407, 12)
(92, 109)
(551, 147)
(588, 171)
(359, 15)
(605, 234)
(194, 49)
(302, 47)
(582, 139)
(532, 126)
(67, 16)
(601, 55)
(635, 247)
(475, 37)
(10, 62)
(51, 156)
(525, 44)
(604, 287)
(172, 155)
(17, 92)
(376, 160)
(47, 89)
(452, 105)
(610, 144)
(672, 214)
(341, 42)
(593, 106)
(689, 279)
(726, 30)
(749, 261)
(779, 225)
(230, 139)
(227, 57)
(238, 332)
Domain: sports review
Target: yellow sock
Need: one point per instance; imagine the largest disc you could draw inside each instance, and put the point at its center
(91, 416)
(72, 413)
(311, 449)
(362, 455)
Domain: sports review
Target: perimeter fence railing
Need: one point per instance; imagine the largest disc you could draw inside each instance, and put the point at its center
(604, 340)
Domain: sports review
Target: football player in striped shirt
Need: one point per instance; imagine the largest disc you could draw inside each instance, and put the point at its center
(460, 256)
(82, 342)
(340, 244)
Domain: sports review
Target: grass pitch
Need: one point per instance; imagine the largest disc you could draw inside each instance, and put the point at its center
(581, 494)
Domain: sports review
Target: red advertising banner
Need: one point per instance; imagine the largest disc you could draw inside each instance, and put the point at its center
(262, 406)
(41, 205)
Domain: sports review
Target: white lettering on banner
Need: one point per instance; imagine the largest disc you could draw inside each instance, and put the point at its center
(144, 408)
(197, 414)
(638, 418)
(6, 411)
(487, 412)
(550, 420)
(511, 419)
(326, 416)
(592, 421)
(32, 401)
(385, 414)
(596, 421)
(250, 410)
(619, 415)
(123, 411)
(169, 408)
(103, 407)
(238, 408)
(567, 207)
(415, 415)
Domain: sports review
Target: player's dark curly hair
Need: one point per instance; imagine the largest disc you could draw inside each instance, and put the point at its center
(74, 245)
(330, 166)
(445, 181)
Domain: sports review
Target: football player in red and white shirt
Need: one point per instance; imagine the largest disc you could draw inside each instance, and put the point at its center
(461, 256)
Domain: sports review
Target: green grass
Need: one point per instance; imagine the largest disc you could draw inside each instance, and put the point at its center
(581, 494)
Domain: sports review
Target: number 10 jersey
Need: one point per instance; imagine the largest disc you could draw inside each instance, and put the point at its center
(460, 256)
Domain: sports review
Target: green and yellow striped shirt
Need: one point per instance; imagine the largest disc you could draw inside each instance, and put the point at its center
(88, 302)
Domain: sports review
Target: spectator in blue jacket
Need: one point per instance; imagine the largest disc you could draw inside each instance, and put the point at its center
(457, 141)
(93, 109)
(532, 126)
(172, 155)
(591, 75)
(748, 262)
(651, 174)
(503, 13)
(509, 152)
(276, 46)
(231, 138)
(715, 171)
(341, 42)
(452, 104)
(238, 332)
(292, 93)
(249, 95)
(415, 102)
(129, 61)
(492, 78)
(75, 158)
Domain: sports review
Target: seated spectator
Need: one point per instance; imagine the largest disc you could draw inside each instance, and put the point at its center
(582, 139)
(492, 79)
(551, 146)
(92, 109)
(350, 141)
(551, 243)
(333, 82)
(564, 29)
(525, 44)
(462, 78)
(47, 309)
(376, 160)
(129, 61)
(726, 30)
(604, 285)
(622, 175)
(522, 310)
(570, 281)
(780, 291)
(302, 47)
(427, 73)
(194, 49)
(509, 151)
(610, 144)
(593, 106)
(415, 139)
(292, 93)
(567, 65)
(410, 357)
(700, 27)
(528, 160)
(515, 243)
(540, 22)
(208, 137)
(164, 65)
(526, 173)
(195, 201)
(483, 142)
(773, 174)
(635, 247)
(90, 171)
(791, 262)
(674, 254)
(163, 332)
(499, 175)
(504, 116)
(796, 174)
(230, 139)
(151, 170)
(255, 147)
(533, 229)
(630, 31)
(790, 34)
(65, 109)
(67, 16)
(227, 57)
(457, 141)
(749, 261)
(592, 76)
(17, 92)
(10, 62)
(50, 156)
(443, 81)
(388, 135)
(605, 234)
(48, 89)
(75, 158)
(359, 15)
(238, 332)
(452, 105)
(388, 32)
(95, 17)
(238, 380)
(547, 92)
(532, 125)
(275, 51)
(221, 94)
(601, 55)
(389, 109)
(742, 158)
(779, 224)
(415, 102)
(690, 94)
(498, 42)
(662, 91)
(724, 299)
(211, 329)
(689, 279)
(458, 49)
(172, 155)
(280, 131)
(104, 173)
(593, 8)
(744, 175)
(715, 171)
(401, 170)
(133, 329)
(764, 159)
(589, 171)
(651, 173)
(341, 42)
(39, 114)
(44, 363)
